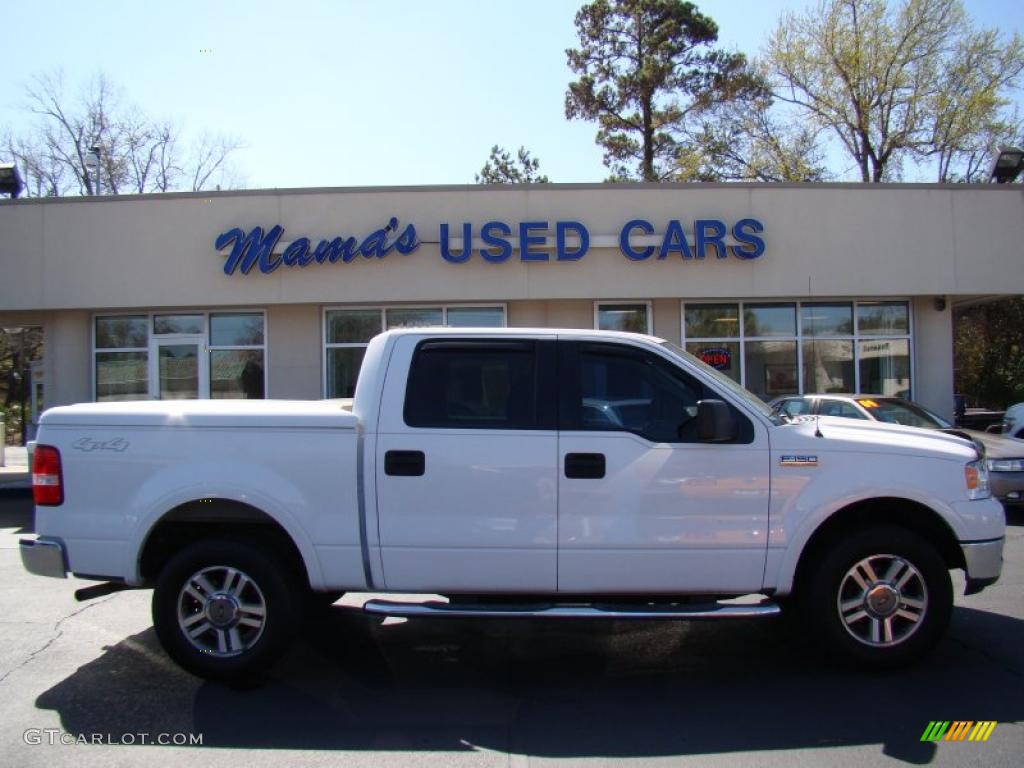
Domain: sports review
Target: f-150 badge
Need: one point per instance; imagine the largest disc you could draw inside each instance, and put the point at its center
(799, 461)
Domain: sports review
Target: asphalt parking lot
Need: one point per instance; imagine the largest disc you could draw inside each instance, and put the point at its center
(359, 691)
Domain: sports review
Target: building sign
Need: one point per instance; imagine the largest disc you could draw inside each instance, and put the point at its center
(496, 242)
(718, 358)
(259, 249)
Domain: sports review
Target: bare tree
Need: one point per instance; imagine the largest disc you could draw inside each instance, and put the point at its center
(137, 153)
(896, 81)
(747, 140)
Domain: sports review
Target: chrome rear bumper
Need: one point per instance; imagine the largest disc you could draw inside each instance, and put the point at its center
(43, 557)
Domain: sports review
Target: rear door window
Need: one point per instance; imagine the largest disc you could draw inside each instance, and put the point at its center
(468, 384)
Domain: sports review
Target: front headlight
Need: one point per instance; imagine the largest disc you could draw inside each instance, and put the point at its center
(1006, 465)
(976, 477)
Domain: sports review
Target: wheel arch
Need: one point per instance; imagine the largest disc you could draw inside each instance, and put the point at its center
(905, 513)
(206, 518)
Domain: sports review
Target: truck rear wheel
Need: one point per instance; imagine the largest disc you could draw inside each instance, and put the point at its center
(880, 598)
(225, 609)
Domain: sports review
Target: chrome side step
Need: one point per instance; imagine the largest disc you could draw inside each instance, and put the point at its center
(438, 609)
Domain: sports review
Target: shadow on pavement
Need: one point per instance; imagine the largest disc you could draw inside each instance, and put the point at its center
(611, 689)
(16, 509)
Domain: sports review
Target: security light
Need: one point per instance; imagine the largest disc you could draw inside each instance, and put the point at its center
(10, 180)
(1007, 165)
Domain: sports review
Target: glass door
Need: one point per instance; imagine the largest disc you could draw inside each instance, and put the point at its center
(180, 370)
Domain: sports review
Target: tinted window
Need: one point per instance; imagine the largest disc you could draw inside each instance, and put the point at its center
(622, 389)
(796, 407)
(478, 385)
(839, 408)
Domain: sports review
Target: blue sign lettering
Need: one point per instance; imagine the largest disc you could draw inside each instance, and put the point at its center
(709, 232)
(248, 250)
(741, 232)
(498, 240)
(526, 240)
(257, 249)
(572, 240)
(627, 250)
(675, 240)
(563, 228)
(467, 245)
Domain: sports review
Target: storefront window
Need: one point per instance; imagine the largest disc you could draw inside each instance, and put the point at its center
(828, 365)
(882, 318)
(885, 367)
(352, 326)
(623, 317)
(348, 331)
(476, 317)
(414, 318)
(121, 332)
(712, 320)
(122, 358)
(771, 368)
(122, 376)
(237, 329)
(723, 356)
(190, 324)
(769, 320)
(835, 347)
(236, 374)
(827, 319)
(226, 362)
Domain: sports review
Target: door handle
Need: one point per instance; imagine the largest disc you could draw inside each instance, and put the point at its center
(584, 466)
(404, 463)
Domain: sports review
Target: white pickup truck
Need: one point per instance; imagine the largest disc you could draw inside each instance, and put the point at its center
(518, 473)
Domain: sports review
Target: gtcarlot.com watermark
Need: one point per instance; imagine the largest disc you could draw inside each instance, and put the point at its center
(53, 736)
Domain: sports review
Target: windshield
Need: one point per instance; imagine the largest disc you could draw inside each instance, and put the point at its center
(743, 394)
(902, 412)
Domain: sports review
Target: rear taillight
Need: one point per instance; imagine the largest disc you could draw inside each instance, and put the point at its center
(47, 477)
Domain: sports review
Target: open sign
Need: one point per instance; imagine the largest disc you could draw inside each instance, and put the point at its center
(718, 358)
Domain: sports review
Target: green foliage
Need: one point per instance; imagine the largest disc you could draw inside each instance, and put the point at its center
(647, 71)
(502, 168)
(745, 141)
(896, 82)
(988, 349)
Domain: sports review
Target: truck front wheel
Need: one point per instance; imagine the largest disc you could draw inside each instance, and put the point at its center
(225, 609)
(881, 597)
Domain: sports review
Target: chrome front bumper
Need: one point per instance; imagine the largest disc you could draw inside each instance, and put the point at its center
(983, 561)
(43, 557)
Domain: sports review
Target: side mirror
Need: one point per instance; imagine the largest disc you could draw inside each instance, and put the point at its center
(715, 422)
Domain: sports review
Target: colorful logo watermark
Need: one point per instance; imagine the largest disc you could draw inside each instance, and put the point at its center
(958, 730)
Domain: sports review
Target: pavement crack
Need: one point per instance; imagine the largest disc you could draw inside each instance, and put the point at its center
(58, 631)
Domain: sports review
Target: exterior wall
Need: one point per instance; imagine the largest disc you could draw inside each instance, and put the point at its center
(63, 258)
(550, 314)
(933, 355)
(67, 347)
(668, 319)
(821, 240)
(294, 352)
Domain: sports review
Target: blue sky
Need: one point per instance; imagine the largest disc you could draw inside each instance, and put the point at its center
(351, 93)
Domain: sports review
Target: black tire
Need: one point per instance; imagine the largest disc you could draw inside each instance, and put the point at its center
(226, 610)
(889, 621)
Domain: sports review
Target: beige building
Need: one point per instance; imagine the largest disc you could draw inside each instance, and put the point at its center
(825, 287)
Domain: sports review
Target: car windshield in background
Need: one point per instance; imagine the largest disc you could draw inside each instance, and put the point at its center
(902, 412)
